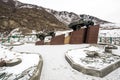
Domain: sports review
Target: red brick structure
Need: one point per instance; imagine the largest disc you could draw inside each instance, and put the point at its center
(39, 43)
(92, 34)
(83, 35)
(58, 40)
(77, 37)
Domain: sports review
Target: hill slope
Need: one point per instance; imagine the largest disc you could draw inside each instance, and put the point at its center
(68, 17)
(14, 14)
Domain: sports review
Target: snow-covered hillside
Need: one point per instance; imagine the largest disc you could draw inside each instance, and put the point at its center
(23, 5)
(110, 26)
(64, 16)
(68, 17)
(109, 33)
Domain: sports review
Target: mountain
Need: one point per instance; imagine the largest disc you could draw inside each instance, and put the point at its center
(28, 17)
(69, 17)
(14, 14)
(64, 16)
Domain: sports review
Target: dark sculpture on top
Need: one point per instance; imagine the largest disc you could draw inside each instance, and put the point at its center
(78, 24)
(42, 36)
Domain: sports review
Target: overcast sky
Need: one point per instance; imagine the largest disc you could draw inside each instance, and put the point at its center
(105, 9)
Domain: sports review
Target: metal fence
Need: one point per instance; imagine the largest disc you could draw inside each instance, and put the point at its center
(109, 40)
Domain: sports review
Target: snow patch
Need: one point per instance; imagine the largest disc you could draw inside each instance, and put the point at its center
(110, 25)
(104, 60)
(5, 0)
(109, 33)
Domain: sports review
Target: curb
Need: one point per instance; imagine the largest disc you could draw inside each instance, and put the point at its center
(13, 63)
(37, 73)
(12, 44)
(97, 73)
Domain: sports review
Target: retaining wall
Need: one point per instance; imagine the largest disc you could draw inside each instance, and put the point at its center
(39, 43)
(77, 37)
(38, 71)
(93, 72)
(92, 34)
(58, 40)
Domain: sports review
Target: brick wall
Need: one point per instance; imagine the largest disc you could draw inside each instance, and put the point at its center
(39, 43)
(92, 34)
(89, 35)
(58, 40)
(77, 37)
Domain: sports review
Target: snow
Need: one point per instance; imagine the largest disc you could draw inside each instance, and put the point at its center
(109, 33)
(48, 38)
(64, 16)
(5, 0)
(55, 66)
(7, 54)
(111, 36)
(104, 60)
(12, 43)
(17, 3)
(116, 52)
(110, 25)
(29, 61)
(15, 32)
(32, 59)
(63, 32)
(27, 6)
(16, 38)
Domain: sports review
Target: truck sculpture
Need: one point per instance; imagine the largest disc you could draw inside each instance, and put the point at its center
(78, 24)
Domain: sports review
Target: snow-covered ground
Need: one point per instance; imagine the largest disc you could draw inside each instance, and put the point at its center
(23, 70)
(12, 43)
(99, 62)
(55, 66)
